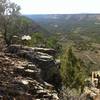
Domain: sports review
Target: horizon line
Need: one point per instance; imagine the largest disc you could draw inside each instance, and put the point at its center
(59, 13)
(56, 13)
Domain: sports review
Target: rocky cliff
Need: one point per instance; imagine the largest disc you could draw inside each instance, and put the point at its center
(29, 74)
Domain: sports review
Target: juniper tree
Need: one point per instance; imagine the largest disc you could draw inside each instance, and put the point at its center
(73, 75)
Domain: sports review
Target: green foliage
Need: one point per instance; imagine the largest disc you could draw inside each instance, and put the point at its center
(9, 13)
(53, 42)
(81, 44)
(25, 25)
(72, 71)
(37, 39)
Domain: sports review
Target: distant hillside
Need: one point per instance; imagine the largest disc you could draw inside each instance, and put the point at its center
(71, 26)
(32, 27)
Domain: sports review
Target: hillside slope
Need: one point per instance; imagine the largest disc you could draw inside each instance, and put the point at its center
(29, 26)
(71, 25)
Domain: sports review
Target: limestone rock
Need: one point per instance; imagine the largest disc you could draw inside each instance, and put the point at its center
(44, 59)
(20, 79)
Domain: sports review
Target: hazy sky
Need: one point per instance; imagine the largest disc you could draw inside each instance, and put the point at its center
(58, 6)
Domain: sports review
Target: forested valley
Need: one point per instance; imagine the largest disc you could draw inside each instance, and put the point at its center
(48, 57)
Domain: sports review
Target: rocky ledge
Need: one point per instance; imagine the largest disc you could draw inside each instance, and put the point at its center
(26, 74)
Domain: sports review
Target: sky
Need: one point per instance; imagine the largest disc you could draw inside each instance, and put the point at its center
(58, 6)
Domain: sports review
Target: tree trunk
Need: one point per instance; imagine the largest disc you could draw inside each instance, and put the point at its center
(7, 39)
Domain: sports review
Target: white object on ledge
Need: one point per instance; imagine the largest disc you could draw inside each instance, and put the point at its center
(26, 37)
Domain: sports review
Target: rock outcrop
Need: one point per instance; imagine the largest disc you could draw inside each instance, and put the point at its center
(29, 74)
(21, 80)
(44, 59)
